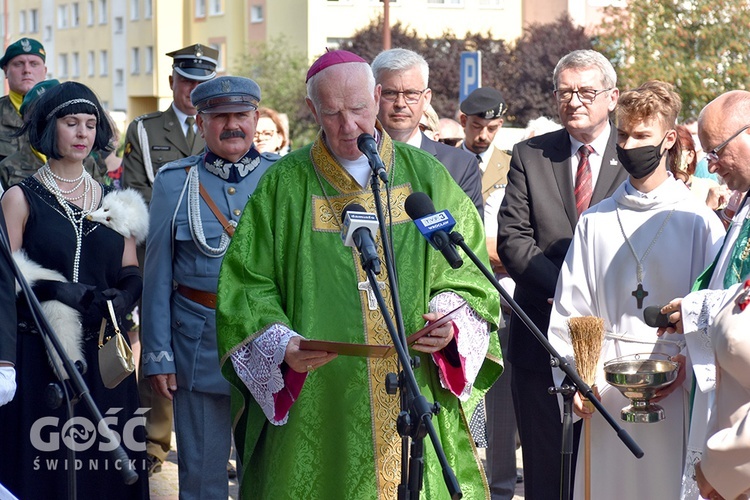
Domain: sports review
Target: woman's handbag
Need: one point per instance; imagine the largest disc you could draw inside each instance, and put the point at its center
(115, 357)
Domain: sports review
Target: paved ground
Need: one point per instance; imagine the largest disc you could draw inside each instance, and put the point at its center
(165, 484)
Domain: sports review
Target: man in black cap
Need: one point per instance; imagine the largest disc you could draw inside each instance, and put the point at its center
(23, 65)
(481, 117)
(151, 141)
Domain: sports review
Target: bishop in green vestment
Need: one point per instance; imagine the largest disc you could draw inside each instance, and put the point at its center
(328, 430)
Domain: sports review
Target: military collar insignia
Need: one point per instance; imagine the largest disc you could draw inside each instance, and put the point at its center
(232, 172)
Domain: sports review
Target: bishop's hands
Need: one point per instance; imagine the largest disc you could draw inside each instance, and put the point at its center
(438, 338)
(305, 361)
(706, 490)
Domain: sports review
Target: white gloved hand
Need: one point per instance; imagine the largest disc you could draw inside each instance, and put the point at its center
(7, 384)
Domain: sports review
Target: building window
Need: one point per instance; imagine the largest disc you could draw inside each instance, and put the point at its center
(200, 8)
(90, 13)
(147, 9)
(75, 15)
(148, 63)
(221, 46)
(119, 24)
(47, 33)
(119, 78)
(62, 16)
(22, 21)
(446, 2)
(256, 14)
(133, 10)
(33, 21)
(76, 71)
(102, 11)
(91, 63)
(135, 61)
(103, 63)
(62, 62)
(216, 7)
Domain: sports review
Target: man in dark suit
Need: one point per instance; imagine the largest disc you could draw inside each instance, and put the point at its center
(152, 141)
(403, 76)
(541, 207)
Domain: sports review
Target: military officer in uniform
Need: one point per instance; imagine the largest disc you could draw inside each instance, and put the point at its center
(151, 141)
(23, 65)
(157, 138)
(196, 203)
(482, 116)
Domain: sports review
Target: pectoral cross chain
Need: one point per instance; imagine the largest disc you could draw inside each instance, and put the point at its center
(365, 286)
(639, 294)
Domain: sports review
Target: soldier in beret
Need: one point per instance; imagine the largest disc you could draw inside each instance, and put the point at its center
(151, 141)
(23, 65)
(481, 117)
(196, 203)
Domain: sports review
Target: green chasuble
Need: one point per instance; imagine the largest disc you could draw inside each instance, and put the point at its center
(287, 265)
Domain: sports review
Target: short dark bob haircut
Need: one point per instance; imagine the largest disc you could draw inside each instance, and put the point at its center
(68, 98)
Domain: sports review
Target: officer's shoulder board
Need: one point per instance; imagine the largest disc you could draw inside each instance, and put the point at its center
(148, 116)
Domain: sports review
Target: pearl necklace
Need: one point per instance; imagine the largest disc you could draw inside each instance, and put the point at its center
(88, 196)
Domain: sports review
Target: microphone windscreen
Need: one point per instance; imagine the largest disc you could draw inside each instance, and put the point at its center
(418, 205)
(653, 317)
(364, 141)
(352, 207)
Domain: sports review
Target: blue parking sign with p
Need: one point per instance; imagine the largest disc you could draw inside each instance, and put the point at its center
(471, 74)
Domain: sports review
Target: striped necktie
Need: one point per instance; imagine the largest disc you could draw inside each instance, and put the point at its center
(583, 189)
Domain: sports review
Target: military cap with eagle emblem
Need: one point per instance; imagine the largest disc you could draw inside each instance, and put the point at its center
(195, 62)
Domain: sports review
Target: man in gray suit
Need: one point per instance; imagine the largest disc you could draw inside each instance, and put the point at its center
(153, 140)
(536, 222)
(403, 76)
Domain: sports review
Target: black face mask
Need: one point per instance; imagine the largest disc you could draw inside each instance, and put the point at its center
(640, 162)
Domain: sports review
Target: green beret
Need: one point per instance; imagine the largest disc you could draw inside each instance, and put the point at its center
(24, 46)
(35, 93)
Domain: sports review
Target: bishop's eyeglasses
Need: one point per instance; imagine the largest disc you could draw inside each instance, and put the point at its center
(586, 96)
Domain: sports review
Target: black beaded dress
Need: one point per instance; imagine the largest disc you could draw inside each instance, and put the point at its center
(34, 439)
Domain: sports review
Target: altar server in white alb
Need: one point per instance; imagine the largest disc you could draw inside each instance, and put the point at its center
(641, 247)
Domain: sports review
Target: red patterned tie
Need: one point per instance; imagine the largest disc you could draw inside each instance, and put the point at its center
(584, 188)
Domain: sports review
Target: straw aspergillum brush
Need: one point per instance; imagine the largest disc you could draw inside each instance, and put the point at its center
(587, 335)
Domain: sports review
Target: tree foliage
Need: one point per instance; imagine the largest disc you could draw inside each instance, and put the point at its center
(698, 45)
(280, 72)
(521, 71)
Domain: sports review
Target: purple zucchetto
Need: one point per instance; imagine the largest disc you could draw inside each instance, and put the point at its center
(331, 58)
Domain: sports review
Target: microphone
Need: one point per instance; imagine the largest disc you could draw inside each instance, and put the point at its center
(654, 318)
(433, 226)
(359, 230)
(366, 143)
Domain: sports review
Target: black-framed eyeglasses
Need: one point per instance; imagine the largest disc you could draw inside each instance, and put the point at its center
(411, 96)
(450, 141)
(586, 96)
(713, 155)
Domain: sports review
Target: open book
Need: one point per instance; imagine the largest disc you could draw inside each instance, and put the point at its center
(373, 350)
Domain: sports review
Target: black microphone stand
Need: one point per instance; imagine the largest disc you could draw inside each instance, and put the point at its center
(415, 418)
(556, 361)
(75, 381)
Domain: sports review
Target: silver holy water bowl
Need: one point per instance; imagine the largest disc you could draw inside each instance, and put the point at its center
(638, 380)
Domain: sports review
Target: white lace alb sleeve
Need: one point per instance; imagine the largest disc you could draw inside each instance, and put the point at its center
(473, 338)
(258, 366)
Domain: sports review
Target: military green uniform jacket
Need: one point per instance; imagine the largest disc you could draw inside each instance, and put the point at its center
(10, 123)
(496, 174)
(166, 142)
(24, 163)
